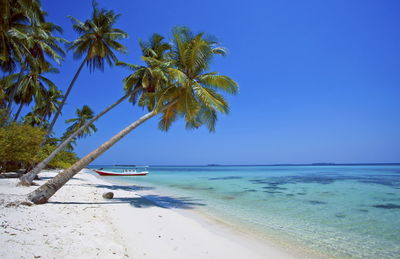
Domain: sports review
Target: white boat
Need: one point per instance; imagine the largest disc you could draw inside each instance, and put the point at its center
(125, 172)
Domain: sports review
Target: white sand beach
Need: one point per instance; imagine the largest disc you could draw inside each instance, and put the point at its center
(79, 223)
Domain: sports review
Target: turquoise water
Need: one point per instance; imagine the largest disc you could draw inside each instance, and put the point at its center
(342, 211)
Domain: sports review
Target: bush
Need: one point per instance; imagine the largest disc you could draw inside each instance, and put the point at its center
(20, 148)
(3, 117)
(19, 145)
(63, 159)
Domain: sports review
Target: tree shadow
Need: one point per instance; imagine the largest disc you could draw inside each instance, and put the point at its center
(122, 187)
(46, 178)
(146, 201)
(168, 202)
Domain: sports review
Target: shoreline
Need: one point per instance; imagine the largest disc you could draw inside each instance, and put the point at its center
(230, 228)
(79, 222)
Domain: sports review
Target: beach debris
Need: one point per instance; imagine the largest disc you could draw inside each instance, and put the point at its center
(108, 195)
(7, 201)
(9, 175)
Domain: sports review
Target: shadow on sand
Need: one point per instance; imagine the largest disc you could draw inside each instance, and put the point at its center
(144, 201)
(122, 187)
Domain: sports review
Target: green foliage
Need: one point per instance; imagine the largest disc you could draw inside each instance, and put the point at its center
(98, 38)
(176, 82)
(20, 148)
(28, 49)
(33, 85)
(26, 37)
(3, 117)
(63, 159)
(153, 77)
(14, 16)
(82, 117)
(196, 92)
(48, 103)
(3, 95)
(32, 119)
(19, 145)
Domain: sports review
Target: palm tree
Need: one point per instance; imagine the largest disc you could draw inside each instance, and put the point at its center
(30, 86)
(98, 38)
(15, 16)
(30, 42)
(154, 54)
(196, 89)
(82, 117)
(33, 119)
(44, 108)
(193, 54)
(42, 42)
(146, 80)
(48, 103)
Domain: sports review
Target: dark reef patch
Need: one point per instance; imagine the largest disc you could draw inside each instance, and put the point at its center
(387, 206)
(274, 188)
(188, 187)
(391, 180)
(225, 178)
(272, 192)
(314, 202)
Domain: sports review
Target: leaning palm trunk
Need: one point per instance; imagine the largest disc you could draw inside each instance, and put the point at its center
(19, 111)
(26, 179)
(64, 99)
(44, 192)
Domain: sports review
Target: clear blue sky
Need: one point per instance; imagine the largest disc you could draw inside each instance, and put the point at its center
(319, 81)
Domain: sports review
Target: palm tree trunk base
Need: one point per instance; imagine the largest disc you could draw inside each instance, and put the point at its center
(26, 179)
(38, 199)
(24, 184)
(40, 196)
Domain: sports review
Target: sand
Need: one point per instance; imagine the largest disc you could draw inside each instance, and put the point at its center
(79, 223)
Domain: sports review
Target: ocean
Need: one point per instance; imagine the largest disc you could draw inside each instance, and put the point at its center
(341, 211)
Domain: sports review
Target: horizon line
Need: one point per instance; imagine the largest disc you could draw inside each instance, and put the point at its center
(279, 164)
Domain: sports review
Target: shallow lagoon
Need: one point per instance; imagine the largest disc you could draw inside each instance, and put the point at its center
(344, 211)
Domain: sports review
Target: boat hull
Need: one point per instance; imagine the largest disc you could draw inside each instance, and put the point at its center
(107, 173)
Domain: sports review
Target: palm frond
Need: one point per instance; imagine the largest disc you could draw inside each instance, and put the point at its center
(219, 82)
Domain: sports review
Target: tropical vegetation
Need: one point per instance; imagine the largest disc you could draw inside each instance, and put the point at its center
(173, 82)
(97, 41)
(20, 148)
(154, 55)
